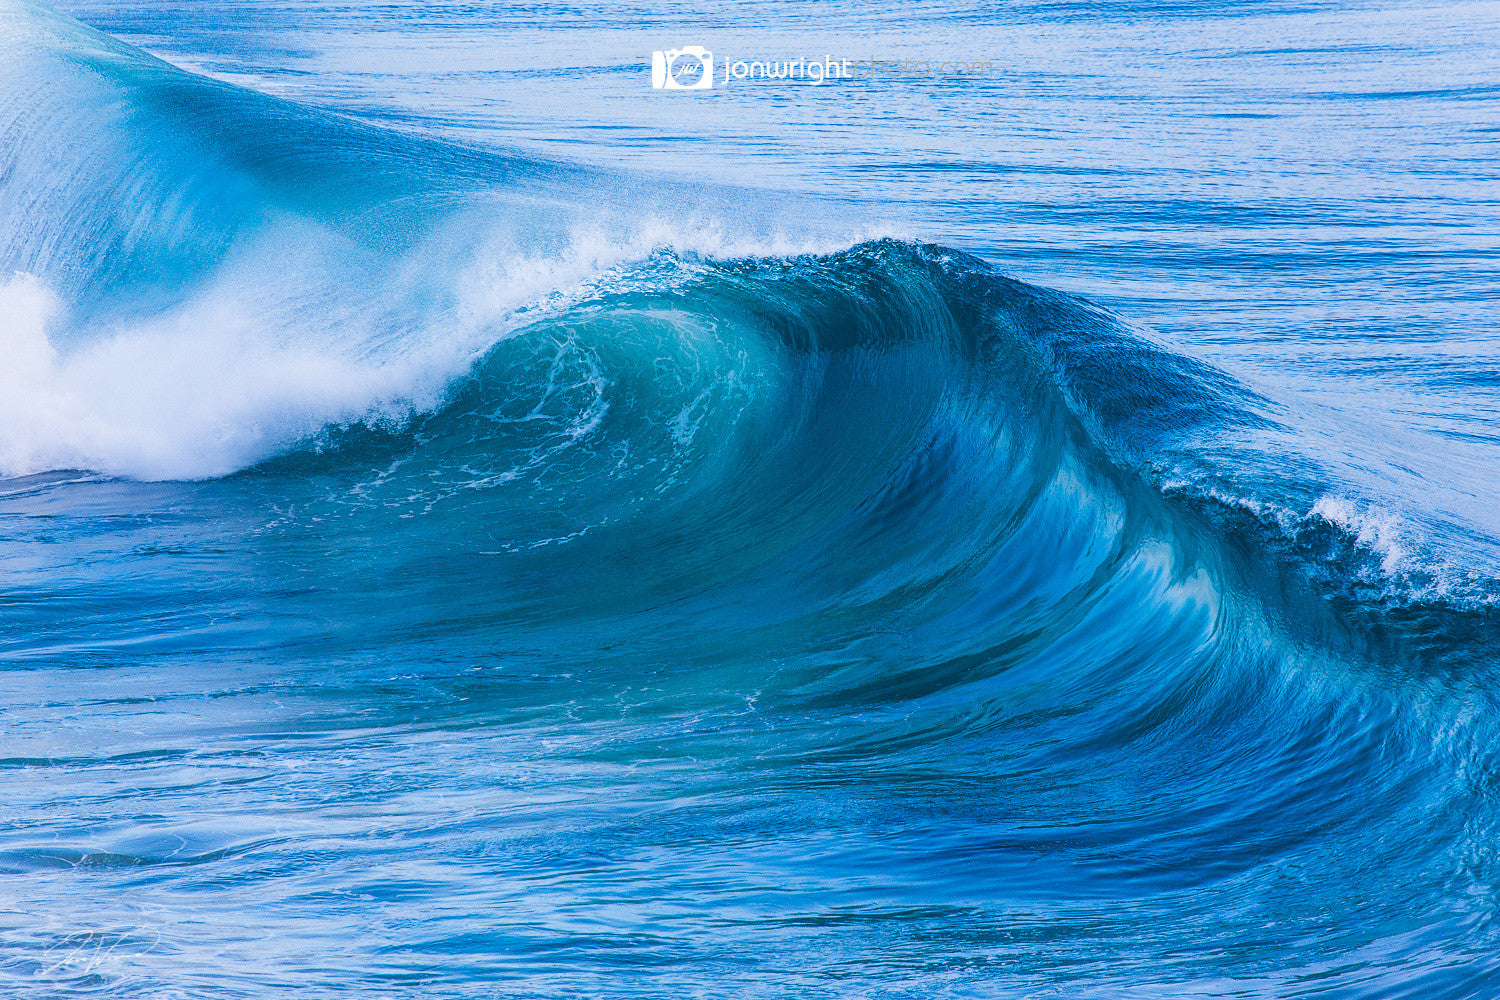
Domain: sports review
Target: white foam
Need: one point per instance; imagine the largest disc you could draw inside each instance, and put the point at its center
(1376, 530)
(191, 397)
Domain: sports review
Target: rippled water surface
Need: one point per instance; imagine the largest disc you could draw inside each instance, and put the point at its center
(473, 525)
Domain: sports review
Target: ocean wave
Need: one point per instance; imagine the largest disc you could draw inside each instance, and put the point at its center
(483, 559)
(216, 280)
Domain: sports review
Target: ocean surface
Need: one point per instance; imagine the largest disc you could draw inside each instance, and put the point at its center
(473, 525)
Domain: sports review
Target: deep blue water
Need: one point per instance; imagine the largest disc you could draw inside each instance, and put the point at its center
(473, 525)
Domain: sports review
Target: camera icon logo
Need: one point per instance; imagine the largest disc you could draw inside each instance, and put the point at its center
(688, 68)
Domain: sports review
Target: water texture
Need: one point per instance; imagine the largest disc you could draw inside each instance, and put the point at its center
(472, 525)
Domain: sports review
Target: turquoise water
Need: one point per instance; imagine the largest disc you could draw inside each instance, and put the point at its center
(473, 525)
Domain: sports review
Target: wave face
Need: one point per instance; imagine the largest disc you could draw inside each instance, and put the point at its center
(432, 571)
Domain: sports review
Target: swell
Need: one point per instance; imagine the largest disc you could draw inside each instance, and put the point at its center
(207, 277)
(737, 388)
(853, 527)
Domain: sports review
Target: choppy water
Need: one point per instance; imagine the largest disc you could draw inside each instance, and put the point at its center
(475, 526)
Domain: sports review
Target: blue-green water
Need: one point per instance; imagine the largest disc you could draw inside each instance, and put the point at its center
(475, 526)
